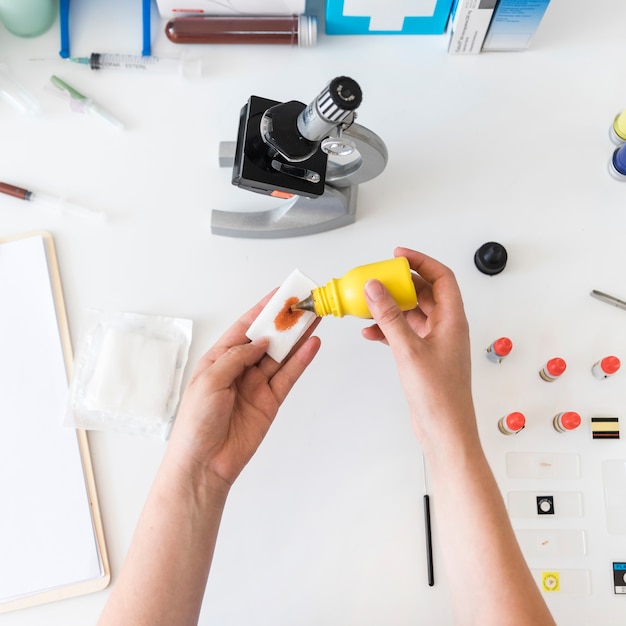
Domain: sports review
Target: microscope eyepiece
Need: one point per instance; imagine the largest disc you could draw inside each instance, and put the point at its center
(345, 93)
(332, 106)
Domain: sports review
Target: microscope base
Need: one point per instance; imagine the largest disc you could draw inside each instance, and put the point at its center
(299, 216)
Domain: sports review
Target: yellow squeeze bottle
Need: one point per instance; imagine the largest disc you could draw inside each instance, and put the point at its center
(344, 296)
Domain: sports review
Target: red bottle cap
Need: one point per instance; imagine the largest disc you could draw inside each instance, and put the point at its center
(502, 346)
(570, 420)
(610, 364)
(555, 367)
(515, 421)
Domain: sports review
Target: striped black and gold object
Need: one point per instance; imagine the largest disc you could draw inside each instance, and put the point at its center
(605, 427)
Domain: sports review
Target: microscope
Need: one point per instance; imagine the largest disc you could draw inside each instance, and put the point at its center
(311, 157)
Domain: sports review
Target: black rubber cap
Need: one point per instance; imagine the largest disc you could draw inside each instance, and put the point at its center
(491, 258)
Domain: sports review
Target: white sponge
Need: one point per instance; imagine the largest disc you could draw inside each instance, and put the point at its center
(278, 323)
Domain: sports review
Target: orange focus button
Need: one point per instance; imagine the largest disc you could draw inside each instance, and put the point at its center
(282, 194)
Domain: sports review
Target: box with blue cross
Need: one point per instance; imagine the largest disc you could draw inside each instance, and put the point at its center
(392, 17)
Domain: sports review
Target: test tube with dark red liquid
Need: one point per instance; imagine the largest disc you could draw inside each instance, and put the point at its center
(290, 30)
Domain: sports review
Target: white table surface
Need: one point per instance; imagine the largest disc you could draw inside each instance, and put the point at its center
(325, 525)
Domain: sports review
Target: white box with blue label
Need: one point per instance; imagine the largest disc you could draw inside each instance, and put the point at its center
(514, 24)
(469, 24)
(392, 17)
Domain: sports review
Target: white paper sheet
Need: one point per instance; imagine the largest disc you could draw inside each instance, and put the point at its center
(47, 535)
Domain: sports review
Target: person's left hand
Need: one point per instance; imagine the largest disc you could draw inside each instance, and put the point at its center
(231, 400)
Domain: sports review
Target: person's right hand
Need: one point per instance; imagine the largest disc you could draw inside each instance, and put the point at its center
(430, 345)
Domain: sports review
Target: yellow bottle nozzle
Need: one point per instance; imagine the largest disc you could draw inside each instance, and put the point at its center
(308, 304)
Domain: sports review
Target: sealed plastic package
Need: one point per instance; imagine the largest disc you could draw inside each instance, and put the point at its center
(128, 371)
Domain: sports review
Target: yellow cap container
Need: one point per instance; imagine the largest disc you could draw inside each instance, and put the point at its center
(345, 295)
(618, 130)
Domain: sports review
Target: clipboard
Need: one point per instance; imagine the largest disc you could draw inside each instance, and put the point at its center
(52, 543)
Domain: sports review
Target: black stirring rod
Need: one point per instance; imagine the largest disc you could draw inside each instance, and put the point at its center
(427, 530)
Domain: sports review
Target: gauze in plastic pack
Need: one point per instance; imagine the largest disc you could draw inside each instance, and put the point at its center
(128, 371)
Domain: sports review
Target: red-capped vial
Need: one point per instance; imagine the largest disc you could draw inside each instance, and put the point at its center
(512, 423)
(566, 421)
(499, 349)
(605, 367)
(553, 369)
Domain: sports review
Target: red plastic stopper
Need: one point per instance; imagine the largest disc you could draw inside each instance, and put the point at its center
(515, 421)
(555, 367)
(570, 420)
(502, 346)
(610, 364)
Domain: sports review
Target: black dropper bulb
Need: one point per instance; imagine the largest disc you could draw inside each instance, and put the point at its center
(491, 258)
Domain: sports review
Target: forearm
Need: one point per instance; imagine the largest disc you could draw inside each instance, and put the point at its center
(164, 576)
(477, 541)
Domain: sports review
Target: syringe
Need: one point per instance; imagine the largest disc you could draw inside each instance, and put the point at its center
(51, 202)
(147, 64)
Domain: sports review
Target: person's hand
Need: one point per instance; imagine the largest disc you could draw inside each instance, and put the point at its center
(430, 345)
(231, 400)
